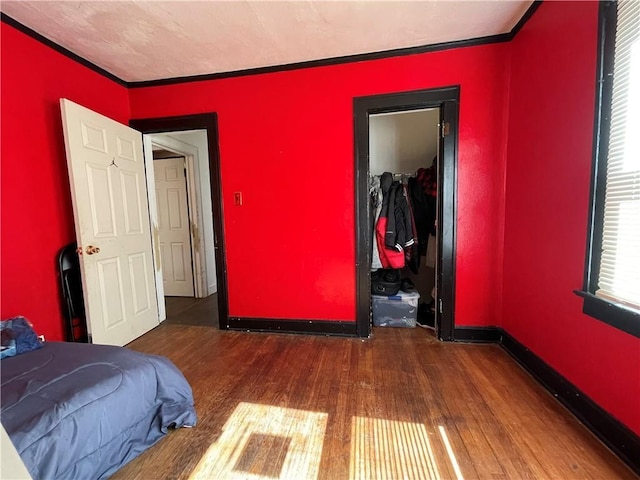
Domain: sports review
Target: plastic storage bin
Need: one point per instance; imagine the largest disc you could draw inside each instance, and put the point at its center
(399, 310)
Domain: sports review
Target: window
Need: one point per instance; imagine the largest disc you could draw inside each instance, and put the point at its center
(612, 280)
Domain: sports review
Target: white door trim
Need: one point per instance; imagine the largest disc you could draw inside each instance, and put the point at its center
(195, 205)
(153, 219)
(195, 216)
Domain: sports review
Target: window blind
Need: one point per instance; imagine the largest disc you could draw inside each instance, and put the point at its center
(619, 278)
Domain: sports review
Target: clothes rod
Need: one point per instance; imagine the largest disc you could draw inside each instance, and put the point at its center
(412, 174)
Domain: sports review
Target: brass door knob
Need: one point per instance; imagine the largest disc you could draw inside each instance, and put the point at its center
(90, 250)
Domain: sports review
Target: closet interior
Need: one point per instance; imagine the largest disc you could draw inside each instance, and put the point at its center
(403, 190)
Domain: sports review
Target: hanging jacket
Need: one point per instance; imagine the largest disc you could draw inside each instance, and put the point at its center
(428, 179)
(412, 254)
(389, 256)
(375, 193)
(399, 233)
(424, 212)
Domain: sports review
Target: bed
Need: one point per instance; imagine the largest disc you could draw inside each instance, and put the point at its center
(77, 410)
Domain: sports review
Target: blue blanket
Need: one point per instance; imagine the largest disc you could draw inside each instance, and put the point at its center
(77, 410)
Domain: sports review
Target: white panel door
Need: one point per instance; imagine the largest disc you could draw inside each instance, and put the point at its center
(173, 225)
(108, 189)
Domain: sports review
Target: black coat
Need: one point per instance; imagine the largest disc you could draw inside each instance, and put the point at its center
(424, 213)
(399, 233)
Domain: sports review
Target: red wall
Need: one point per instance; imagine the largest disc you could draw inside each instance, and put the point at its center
(286, 143)
(548, 175)
(37, 219)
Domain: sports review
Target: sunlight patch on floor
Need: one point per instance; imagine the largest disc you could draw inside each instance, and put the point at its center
(452, 457)
(387, 449)
(261, 442)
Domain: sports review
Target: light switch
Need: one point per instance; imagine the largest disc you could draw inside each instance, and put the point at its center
(237, 198)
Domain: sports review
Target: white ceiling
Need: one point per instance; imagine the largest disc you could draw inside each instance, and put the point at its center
(148, 40)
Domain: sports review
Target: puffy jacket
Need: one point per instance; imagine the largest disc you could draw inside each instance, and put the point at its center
(394, 230)
(399, 233)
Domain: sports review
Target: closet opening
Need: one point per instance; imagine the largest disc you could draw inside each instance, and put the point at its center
(412, 136)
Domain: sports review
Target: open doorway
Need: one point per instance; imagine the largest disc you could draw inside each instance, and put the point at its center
(445, 101)
(185, 237)
(405, 144)
(187, 204)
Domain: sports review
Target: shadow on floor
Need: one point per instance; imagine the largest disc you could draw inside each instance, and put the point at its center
(192, 311)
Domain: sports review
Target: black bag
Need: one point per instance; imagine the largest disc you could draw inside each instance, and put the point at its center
(385, 281)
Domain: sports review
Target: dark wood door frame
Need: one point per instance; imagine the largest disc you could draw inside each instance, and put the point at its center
(447, 99)
(208, 122)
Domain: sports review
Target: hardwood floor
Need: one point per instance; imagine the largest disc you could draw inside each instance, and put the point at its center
(192, 311)
(398, 405)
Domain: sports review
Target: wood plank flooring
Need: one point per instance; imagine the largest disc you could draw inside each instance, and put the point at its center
(192, 311)
(398, 405)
